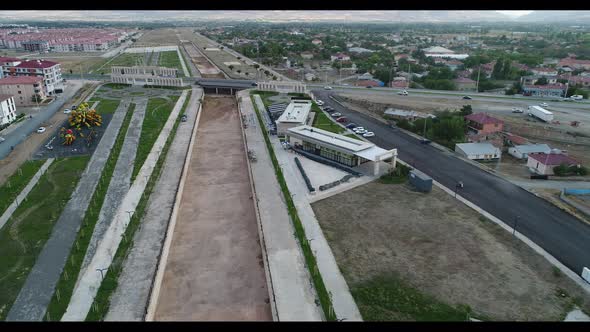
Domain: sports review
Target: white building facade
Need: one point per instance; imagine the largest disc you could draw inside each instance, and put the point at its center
(7, 109)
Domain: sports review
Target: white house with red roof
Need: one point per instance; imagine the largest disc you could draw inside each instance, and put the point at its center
(50, 72)
(544, 163)
(573, 63)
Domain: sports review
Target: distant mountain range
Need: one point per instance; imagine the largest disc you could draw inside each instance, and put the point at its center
(391, 16)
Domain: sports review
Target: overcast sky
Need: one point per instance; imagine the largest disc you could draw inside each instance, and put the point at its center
(271, 15)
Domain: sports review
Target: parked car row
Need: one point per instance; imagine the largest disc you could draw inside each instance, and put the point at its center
(342, 119)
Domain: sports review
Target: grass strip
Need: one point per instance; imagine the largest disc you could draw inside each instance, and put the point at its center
(186, 63)
(58, 304)
(105, 106)
(322, 121)
(170, 59)
(17, 182)
(324, 296)
(157, 112)
(26, 232)
(388, 298)
(101, 304)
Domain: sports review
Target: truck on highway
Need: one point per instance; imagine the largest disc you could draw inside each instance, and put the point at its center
(540, 113)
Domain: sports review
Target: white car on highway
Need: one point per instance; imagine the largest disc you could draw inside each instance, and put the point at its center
(369, 134)
(336, 114)
(67, 111)
(516, 110)
(403, 93)
(327, 87)
(544, 105)
(41, 130)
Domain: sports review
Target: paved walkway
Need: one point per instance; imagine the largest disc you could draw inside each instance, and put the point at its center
(130, 300)
(294, 294)
(120, 180)
(342, 300)
(39, 287)
(24, 193)
(83, 295)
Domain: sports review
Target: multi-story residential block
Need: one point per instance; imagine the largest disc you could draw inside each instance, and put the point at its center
(23, 89)
(50, 72)
(7, 109)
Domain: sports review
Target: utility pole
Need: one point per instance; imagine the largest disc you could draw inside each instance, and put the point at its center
(477, 84)
(409, 75)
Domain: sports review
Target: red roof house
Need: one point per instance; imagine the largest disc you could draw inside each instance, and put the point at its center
(484, 124)
(543, 163)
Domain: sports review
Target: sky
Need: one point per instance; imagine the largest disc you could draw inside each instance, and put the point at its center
(514, 13)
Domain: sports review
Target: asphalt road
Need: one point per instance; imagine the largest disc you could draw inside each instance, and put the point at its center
(30, 125)
(560, 234)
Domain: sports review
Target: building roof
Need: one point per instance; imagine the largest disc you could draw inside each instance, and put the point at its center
(296, 112)
(5, 97)
(357, 147)
(478, 148)
(533, 148)
(438, 49)
(482, 118)
(9, 59)
(515, 139)
(37, 64)
(552, 159)
(9, 80)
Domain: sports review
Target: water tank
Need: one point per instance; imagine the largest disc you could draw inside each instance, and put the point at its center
(420, 181)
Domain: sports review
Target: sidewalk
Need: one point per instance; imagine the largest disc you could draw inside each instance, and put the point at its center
(83, 295)
(130, 300)
(293, 290)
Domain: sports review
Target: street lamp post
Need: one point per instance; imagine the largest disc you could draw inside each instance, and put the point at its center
(515, 224)
(101, 270)
(459, 185)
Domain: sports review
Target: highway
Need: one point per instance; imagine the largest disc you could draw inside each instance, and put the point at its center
(560, 234)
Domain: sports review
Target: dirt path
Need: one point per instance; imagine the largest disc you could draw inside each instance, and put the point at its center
(214, 267)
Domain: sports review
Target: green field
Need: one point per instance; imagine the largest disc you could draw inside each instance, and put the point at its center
(170, 59)
(67, 281)
(387, 298)
(26, 232)
(105, 106)
(157, 112)
(126, 59)
(17, 182)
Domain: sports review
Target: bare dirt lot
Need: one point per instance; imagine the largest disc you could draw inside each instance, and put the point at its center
(157, 37)
(409, 255)
(214, 269)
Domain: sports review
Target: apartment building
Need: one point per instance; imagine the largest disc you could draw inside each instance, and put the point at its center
(7, 109)
(23, 89)
(48, 70)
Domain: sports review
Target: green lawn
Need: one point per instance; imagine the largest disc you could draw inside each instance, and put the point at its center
(69, 275)
(110, 282)
(126, 59)
(170, 59)
(388, 298)
(264, 95)
(25, 234)
(323, 121)
(353, 136)
(17, 182)
(157, 112)
(105, 106)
